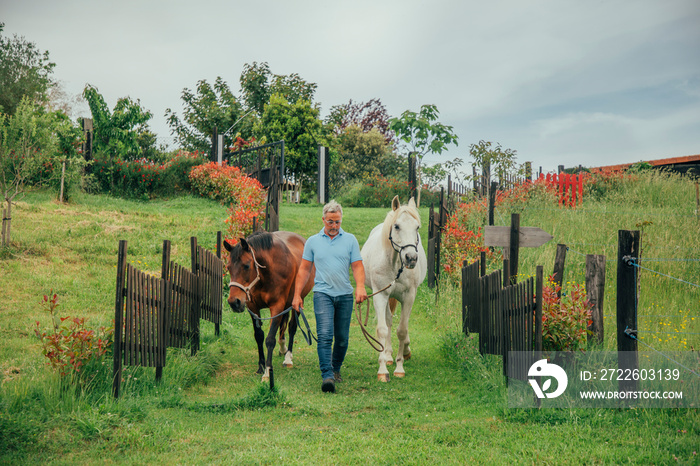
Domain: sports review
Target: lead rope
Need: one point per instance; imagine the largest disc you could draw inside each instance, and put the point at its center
(370, 339)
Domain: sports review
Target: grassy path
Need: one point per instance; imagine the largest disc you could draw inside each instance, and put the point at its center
(212, 409)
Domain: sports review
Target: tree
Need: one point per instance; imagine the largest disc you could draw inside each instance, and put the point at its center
(492, 160)
(435, 174)
(298, 125)
(207, 108)
(25, 71)
(26, 141)
(69, 163)
(423, 134)
(365, 115)
(116, 133)
(362, 154)
(258, 84)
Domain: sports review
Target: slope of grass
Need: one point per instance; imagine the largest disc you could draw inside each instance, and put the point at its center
(212, 408)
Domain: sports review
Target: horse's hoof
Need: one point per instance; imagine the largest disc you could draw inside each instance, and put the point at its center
(400, 375)
(383, 377)
(390, 362)
(288, 365)
(406, 357)
(265, 379)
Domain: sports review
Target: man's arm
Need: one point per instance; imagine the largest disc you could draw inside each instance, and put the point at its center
(302, 277)
(358, 272)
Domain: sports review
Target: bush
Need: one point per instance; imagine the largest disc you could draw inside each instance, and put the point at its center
(565, 319)
(145, 179)
(227, 184)
(462, 238)
(70, 346)
(378, 191)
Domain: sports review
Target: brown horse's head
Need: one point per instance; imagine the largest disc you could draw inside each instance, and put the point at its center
(245, 269)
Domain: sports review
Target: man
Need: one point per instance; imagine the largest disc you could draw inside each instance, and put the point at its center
(333, 251)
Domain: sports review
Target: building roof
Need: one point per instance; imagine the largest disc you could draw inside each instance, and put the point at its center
(688, 159)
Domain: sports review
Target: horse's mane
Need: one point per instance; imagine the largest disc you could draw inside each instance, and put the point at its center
(259, 241)
(393, 215)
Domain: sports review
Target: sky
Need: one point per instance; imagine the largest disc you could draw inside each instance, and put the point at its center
(560, 82)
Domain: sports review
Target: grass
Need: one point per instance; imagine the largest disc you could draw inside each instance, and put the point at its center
(212, 408)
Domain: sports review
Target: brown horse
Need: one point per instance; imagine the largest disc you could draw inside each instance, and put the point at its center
(263, 270)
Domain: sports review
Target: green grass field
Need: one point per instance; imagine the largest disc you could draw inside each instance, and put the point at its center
(212, 409)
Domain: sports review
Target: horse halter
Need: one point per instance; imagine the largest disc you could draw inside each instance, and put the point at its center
(401, 248)
(258, 266)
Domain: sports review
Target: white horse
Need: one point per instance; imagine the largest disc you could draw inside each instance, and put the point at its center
(393, 254)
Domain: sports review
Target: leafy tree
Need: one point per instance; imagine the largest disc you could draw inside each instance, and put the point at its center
(365, 115)
(68, 163)
(298, 125)
(258, 84)
(435, 174)
(361, 155)
(25, 71)
(423, 134)
(493, 160)
(26, 141)
(208, 107)
(116, 133)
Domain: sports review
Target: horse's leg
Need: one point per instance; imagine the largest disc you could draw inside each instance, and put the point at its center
(388, 349)
(270, 343)
(402, 334)
(283, 330)
(293, 321)
(382, 309)
(259, 337)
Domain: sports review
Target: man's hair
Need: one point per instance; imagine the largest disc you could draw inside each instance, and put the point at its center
(332, 206)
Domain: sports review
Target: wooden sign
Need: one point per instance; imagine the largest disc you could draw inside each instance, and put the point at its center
(530, 237)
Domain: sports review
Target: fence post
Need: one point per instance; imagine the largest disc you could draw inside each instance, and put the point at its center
(194, 313)
(164, 275)
(559, 260)
(431, 247)
(322, 175)
(87, 145)
(118, 320)
(464, 297)
(595, 293)
(492, 202)
(214, 143)
(539, 279)
(514, 246)
(627, 254)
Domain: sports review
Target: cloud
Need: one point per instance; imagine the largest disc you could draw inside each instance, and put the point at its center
(560, 81)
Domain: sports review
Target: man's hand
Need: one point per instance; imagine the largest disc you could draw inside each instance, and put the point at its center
(297, 303)
(360, 294)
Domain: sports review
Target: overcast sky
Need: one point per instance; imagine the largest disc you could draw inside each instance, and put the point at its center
(560, 82)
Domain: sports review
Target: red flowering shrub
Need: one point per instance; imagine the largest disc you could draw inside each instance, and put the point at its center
(565, 319)
(144, 178)
(227, 184)
(71, 345)
(462, 238)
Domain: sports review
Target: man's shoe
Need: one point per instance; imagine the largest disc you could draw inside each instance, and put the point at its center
(337, 377)
(328, 385)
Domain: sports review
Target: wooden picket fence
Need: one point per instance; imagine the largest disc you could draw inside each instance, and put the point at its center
(507, 318)
(152, 314)
(210, 270)
(569, 187)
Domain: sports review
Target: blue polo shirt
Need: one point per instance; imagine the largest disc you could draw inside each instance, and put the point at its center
(332, 258)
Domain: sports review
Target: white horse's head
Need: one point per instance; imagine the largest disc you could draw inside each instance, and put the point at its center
(401, 231)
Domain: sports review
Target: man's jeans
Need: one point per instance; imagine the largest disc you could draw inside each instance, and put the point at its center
(333, 315)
